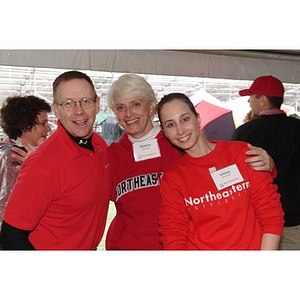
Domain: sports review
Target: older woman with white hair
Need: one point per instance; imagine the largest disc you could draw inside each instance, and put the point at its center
(137, 162)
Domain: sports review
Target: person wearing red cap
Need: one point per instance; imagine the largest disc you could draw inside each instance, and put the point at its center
(279, 135)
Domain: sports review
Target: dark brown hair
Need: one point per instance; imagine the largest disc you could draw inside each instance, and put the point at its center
(20, 113)
(172, 96)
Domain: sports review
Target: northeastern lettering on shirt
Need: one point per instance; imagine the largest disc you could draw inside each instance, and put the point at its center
(138, 182)
(209, 199)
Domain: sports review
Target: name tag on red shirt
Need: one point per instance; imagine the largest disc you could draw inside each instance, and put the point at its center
(226, 177)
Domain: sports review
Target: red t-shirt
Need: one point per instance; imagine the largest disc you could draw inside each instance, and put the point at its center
(62, 194)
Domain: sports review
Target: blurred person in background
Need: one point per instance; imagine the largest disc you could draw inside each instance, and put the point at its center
(279, 135)
(24, 120)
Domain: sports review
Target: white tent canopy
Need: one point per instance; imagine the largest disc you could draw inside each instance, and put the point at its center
(211, 64)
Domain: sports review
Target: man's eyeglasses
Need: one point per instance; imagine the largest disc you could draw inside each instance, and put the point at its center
(70, 104)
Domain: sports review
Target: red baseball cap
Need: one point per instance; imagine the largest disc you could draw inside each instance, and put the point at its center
(265, 85)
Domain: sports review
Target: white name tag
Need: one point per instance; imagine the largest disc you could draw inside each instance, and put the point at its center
(146, 150)
(226, 177)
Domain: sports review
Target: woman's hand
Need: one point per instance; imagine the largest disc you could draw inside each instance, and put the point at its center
(21, 155)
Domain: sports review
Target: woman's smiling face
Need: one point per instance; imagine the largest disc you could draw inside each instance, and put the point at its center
(180, 125)
(134, 115)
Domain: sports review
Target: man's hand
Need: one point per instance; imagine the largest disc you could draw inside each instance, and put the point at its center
(261, 160)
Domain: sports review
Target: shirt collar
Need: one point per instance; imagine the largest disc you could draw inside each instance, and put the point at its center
(272, 112)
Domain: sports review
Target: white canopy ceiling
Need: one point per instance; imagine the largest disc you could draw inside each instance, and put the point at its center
(196, 63)
(221, 73)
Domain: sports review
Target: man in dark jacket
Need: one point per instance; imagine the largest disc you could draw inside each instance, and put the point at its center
(279, 135)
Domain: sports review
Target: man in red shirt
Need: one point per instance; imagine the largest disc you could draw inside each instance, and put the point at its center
(61, 196)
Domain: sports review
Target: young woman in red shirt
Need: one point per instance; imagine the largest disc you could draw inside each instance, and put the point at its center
(211, 198)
